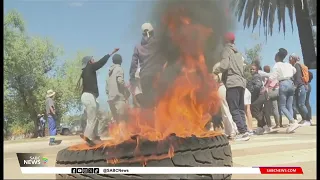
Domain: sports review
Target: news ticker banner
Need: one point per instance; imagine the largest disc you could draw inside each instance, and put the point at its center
(161, 170)
(37, 163)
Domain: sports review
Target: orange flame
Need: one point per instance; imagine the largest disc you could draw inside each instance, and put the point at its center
(187, 105)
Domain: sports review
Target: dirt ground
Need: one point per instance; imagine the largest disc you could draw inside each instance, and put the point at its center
(281, 149)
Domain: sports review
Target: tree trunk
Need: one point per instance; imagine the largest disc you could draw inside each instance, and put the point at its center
(305, 34)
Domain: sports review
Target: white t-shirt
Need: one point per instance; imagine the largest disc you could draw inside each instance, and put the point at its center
(247, 97)
(282, 71)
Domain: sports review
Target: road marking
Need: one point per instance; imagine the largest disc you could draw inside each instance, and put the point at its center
(269, 143)
(284, 157)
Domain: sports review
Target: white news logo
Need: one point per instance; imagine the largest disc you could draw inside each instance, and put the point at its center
(32, 160)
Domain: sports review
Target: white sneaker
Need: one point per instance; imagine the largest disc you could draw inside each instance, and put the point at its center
(242, 137)
(306, 123)
(250, 133)
(293, 126)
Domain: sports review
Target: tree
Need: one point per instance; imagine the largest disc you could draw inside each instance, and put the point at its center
(253, 54)
(30, 69)
(264, 11)
(26, 62)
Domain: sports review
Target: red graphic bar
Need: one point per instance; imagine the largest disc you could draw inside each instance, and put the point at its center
(281, 170)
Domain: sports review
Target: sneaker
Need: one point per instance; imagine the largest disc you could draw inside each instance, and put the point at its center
(293, 126)
(306, 123)
(230, 137)
(301, 122)
(276, 127)
(53, 144)
(250, 133)
(268, 130)
(242, 137)
(259, 131)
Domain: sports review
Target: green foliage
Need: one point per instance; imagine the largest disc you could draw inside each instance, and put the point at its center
(253, 53)
(30, 69)
(247, 73)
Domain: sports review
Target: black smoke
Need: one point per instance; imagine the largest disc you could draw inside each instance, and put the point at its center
(209, 13)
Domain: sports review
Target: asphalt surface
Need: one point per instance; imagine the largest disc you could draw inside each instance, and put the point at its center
(281, 149)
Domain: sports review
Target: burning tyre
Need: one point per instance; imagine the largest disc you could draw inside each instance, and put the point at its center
(186, 100)
(188, 152)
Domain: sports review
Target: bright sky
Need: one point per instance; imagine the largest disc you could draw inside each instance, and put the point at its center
(102, 25)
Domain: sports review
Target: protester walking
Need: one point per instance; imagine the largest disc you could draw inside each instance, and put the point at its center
(117, 90)
(230, 127)
(301, 80)
(51, 114)
(231, 67)
(272, 88)
(284, 72)
(258, 98)
(308, 122)
(90, 93)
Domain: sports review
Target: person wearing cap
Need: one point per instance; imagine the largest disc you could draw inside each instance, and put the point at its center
(117, 92)
(51, 114)
(90, 93)
(42, 123)
(231, 67)
(299, 98)
(150, 65)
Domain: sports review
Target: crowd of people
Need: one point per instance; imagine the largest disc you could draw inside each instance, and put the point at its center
(284, 91)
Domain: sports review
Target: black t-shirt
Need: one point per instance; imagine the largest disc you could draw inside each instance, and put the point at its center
(89, 76)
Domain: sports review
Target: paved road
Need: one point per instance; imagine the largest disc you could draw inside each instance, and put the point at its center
(281, 149)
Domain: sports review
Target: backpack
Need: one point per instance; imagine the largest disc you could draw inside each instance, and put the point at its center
(305, 73)
(310, 76)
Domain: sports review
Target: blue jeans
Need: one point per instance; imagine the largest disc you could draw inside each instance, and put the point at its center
(300, 102)
(52, 126)
(286, 93)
